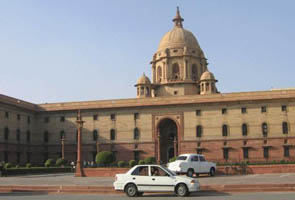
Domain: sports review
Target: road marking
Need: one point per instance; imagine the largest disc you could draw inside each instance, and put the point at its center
(284, 175)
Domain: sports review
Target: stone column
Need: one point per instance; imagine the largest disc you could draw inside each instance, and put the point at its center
(79, 166)
(175, 146)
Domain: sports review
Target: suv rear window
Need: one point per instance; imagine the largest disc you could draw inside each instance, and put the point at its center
(182, 158)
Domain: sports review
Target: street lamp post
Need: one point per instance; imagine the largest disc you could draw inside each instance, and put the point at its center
(79, 167)
(63, 147)
(159, 147)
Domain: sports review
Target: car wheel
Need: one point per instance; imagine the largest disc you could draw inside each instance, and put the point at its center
(181, 190)
(139, 194)
(212, 171)
(190, 173)
(131, 190)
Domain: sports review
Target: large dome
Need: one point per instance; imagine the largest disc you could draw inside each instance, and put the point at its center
(178, 37)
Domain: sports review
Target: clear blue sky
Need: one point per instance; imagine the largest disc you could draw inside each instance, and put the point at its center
(70, 50)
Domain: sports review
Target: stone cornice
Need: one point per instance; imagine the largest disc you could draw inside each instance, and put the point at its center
(173, 100)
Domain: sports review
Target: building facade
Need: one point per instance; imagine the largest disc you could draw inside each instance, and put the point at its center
(179, 111)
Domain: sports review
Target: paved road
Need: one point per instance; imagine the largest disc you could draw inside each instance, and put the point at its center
(69, 179)
(202, 196)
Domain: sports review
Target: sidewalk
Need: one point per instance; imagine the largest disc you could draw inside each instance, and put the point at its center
(67, 183)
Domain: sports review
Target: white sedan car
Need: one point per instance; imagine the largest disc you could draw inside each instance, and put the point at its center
(154, 178)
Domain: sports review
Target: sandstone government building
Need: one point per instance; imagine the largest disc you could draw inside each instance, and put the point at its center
(179, 110)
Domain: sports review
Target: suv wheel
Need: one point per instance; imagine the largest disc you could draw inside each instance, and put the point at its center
(212, 171)
(181, 190)
(131, 190)
(190, 172)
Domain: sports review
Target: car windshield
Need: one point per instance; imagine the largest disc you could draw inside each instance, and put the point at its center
(181, 158)
(170, 172)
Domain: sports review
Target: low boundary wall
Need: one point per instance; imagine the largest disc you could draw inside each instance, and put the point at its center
(221, 170)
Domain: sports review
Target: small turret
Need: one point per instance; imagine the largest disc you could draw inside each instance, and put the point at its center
(207, 83)
(143, 87)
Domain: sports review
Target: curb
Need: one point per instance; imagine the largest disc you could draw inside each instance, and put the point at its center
(110, 190)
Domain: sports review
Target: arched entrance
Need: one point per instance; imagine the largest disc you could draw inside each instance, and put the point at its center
(167, 142)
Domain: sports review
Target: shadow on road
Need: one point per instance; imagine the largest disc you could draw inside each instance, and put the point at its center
(192, 195)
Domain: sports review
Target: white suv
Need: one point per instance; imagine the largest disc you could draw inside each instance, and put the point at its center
(191, 164)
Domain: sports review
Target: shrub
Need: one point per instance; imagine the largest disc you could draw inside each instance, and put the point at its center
(121, 164)
(7, 165)
(59, 162)
(17, 166)
(172, 159)
(105, 158)
(48, 163)
(28, 165)
(132, 163)
(150, 160)
(141, 162)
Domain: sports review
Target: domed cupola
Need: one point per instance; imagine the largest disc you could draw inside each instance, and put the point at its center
(143, 87)
(178, 62)
(207, 83)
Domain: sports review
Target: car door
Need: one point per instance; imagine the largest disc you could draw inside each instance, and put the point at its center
(160, 180)
(204, 165)
(140, 176)
(196, 164)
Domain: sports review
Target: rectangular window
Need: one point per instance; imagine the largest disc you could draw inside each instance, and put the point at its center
(224, 111)
(246, 153)
(6, 115)
(18, 157)
(225, 154)
(28, 157)
(18, 117)
(198, 112)
(113, 117)
(62, 119)
(284, 108)
(286, 151)
(29, 120)
(263, 109)
(46, 119)
(266, 152)
(136, 116)
(244, 110)
(95, 117)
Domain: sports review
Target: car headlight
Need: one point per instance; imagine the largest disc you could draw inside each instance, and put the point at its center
(193, 181)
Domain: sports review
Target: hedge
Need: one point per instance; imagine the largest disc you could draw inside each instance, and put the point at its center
(105, 158)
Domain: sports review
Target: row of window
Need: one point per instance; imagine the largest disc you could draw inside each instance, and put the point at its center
(244, 110)
(265, 152)
(18, 117)
(136, 134)
(244, 127)
(18, 135)
(95, 117)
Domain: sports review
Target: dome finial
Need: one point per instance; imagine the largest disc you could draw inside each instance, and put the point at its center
(178, 19)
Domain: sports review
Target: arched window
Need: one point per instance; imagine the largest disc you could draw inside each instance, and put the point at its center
(62, 134)
(137, 90)
(141, 90)
(199, 131)
(17, 135)
(136, 134)
(202, 87)
(6, 133)
(285, 127)
(45, 136)
(175, 70)
(194, 72)
(224, 130)
(244, 129)
(95, 135)
(112, 134)
(28, 136)
(159, 73)
(207, 86)
(264, 129)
